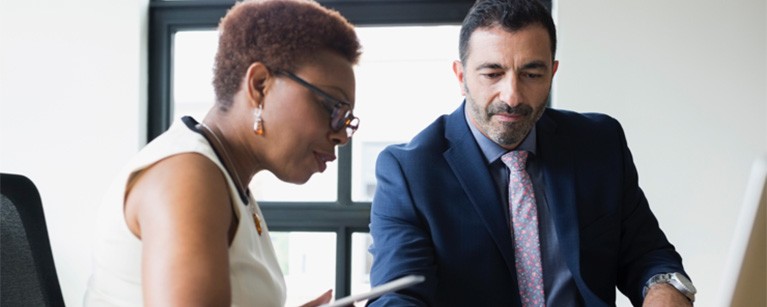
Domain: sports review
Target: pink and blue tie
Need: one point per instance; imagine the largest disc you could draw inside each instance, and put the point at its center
(524, 220)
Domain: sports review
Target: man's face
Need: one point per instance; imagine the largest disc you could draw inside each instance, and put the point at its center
(506, 79)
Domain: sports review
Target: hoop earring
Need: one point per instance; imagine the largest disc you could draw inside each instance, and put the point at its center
(258, 126)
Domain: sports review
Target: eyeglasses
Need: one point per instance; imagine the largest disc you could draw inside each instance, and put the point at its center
(341, 116)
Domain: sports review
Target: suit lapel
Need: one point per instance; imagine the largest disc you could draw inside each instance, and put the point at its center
(465, 159)
(555, 152)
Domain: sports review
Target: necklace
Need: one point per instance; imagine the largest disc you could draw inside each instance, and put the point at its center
(240, 187)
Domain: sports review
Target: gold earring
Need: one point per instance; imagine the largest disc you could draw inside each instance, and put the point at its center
(258, 126)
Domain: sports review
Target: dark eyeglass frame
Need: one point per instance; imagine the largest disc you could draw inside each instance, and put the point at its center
(341, 116)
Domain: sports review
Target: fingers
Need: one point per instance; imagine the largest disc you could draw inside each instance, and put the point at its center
(322, 299)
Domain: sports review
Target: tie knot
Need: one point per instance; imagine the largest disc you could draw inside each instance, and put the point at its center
(515, 160)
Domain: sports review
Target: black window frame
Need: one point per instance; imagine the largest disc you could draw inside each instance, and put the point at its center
(343, 216)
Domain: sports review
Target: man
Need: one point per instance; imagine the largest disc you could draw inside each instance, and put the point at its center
(507, 203)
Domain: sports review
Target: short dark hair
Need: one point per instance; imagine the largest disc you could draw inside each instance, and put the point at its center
(282, 34)
(512, 15)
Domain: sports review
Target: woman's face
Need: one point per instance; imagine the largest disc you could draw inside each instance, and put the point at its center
(297, 122)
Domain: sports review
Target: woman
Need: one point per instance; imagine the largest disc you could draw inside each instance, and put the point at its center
(180, 227)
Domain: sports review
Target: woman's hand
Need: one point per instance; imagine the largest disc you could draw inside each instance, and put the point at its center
(323, 299)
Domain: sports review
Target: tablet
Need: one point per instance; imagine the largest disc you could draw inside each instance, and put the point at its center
(394, 285)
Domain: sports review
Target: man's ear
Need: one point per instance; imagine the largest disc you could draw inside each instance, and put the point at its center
(256, 78)
(458, 71)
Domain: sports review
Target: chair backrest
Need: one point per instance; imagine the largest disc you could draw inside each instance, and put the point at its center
(27, 271)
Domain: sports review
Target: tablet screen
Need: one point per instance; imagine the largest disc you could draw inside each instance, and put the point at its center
(394, 285)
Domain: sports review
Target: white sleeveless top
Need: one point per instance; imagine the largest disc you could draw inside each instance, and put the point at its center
(255, 275)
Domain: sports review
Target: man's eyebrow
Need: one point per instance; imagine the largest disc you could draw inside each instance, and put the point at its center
(535, 65)
(489, 66)
(531, 65)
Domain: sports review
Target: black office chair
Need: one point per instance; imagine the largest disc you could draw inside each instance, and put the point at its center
(27, 271)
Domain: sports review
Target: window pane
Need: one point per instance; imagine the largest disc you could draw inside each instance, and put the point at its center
(321, 187)
(193, 54)
(404, 82)
(307, 260)
(192, 78)
(361, 262)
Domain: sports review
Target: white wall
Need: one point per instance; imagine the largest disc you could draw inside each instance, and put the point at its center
(688, 81)
(72, 101)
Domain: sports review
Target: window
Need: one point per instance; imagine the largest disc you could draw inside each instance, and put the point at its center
(400, 90)
(320, 229)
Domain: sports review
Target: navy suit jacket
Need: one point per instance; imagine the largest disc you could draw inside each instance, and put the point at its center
(437, 213)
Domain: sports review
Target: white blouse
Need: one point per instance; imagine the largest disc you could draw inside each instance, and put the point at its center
(255, 275)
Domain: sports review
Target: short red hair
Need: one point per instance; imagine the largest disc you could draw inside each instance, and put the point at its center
(282, 34)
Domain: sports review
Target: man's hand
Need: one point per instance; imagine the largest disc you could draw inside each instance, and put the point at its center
(665, 295)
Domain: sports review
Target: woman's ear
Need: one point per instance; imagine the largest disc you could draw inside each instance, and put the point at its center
(256, 81)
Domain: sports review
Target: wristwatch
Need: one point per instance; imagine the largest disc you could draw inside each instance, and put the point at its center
(678, 280)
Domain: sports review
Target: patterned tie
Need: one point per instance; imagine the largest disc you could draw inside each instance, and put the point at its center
(524, 220)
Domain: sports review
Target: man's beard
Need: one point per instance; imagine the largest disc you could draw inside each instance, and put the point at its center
(511, 133)
(507, 134)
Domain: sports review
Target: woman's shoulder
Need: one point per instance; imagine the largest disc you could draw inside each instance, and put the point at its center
(185, 189)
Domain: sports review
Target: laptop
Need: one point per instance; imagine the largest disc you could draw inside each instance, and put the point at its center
(744, 281)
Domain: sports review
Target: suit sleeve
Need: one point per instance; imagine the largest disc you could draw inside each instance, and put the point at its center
(401, 241)
(644, 249)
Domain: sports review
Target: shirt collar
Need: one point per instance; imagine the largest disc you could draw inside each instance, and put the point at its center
(490, 149)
